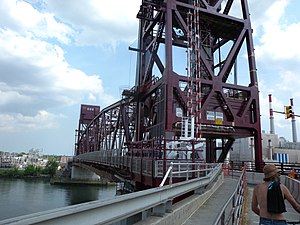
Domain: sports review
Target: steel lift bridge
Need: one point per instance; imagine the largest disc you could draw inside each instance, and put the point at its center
(189, 102)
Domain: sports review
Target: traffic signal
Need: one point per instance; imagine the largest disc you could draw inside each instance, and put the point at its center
(288, 111)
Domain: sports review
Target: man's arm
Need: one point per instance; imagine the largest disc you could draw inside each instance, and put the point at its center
(288, 196)
(254, 203)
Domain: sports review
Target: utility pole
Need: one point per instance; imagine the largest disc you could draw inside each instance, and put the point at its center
(272, 127)
(289, 113)
(294, 131)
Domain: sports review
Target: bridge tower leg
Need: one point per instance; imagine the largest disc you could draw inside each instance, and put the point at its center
(87, 114)
(210, 150)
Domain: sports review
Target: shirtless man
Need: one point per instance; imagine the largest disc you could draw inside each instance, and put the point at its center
(259, 198)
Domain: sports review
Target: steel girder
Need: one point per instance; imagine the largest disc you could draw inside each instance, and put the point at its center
(111, 129)
(150, 109)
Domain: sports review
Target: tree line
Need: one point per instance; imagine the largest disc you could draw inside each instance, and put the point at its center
(33, 170)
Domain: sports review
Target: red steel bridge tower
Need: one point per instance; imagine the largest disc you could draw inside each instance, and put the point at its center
(187, 87)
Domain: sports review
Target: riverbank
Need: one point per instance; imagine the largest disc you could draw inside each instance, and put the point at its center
(22, 176)
(57, 179)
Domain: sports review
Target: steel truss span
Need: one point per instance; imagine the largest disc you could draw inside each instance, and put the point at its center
(187, 88)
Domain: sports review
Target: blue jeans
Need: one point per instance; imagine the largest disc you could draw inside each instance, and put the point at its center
(265, 221)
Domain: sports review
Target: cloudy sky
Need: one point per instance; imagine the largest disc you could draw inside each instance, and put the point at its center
(56, 55)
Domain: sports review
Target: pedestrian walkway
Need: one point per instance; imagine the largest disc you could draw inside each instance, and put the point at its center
(210, 210)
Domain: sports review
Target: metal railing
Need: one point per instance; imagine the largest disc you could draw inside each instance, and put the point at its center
(189, 170)
(231, 213)
(294, 187)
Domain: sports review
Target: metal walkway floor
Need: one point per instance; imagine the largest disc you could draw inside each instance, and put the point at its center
(209, 211)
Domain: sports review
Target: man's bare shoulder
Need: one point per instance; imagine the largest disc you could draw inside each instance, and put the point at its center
(260, 186)
(283, 186)
(284, 189)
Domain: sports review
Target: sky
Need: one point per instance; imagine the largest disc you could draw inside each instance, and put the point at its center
(57, 55)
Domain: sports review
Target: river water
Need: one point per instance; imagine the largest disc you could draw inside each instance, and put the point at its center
(24, 196)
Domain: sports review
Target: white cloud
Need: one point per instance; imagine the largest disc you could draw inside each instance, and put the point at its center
(35, 76)
(21, 17)
(45, 63)
(37, 83)
(98, 22)
(278, 40)
(20, 123)
(12, 96)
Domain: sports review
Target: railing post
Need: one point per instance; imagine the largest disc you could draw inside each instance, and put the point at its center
(171, 175)
(223, 219)
(141, 159)
(165, 157)
(152, 158)
(235, 196)
(131, 150)
(187, 172)
(166, 176)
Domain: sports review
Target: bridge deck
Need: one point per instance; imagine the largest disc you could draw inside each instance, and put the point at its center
(210, 210)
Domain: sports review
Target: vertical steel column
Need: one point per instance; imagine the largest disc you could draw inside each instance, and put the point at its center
(197, 37)
(272, 128)
(190, 110)
(294, 131)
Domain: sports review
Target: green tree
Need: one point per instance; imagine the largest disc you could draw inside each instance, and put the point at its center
(51, 167)
(30, 170)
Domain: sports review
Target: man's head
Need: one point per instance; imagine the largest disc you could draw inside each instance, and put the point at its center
(270, 171)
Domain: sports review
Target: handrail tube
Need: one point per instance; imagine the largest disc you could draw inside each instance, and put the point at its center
(240, 184)
(190, 171)
(166, 176)
(171, 172)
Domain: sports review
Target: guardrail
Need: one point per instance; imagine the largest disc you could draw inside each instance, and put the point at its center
(231, 213)
(294, 186)
(188, 170)
(157, 200)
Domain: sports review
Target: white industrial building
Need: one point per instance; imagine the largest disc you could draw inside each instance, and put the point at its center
(274, 148)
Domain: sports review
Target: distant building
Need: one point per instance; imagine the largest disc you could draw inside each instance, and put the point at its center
(273, 149)
(17, 160)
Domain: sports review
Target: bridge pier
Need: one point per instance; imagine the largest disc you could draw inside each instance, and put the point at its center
(79, 173)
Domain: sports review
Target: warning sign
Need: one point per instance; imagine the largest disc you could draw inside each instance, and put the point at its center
(218, 122)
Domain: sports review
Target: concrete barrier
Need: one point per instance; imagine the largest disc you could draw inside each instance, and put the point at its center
(294, 186)
(254, 178)
(182, 210)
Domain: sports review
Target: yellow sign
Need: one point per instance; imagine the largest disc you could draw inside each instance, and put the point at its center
(219, 121)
